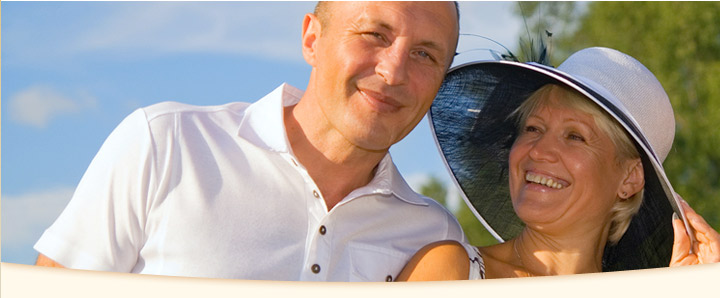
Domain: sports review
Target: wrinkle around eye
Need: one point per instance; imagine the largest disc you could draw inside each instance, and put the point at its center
(576, 137)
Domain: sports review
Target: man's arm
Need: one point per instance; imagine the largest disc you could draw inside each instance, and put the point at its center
(42, 260)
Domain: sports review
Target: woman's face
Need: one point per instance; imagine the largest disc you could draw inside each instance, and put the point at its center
(563, 169)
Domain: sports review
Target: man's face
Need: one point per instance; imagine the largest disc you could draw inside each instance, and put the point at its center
(377, 66)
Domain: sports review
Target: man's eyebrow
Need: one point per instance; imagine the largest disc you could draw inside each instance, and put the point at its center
(431, 45)
(425, 43)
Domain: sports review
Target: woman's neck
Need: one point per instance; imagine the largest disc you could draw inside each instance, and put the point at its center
(539, 254)
(536, 254)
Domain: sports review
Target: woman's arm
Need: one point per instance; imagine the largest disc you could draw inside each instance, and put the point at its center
(442, 260)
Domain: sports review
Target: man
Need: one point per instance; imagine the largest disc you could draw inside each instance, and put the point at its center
(297, 186)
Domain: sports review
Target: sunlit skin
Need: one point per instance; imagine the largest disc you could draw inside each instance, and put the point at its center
(376, 68)
(567, 146)
(567, 222)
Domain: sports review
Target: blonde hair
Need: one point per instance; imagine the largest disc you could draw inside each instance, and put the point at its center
(623, 210)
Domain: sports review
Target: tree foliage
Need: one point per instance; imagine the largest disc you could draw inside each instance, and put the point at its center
(680, 43)
(474, 230)
(435, 189)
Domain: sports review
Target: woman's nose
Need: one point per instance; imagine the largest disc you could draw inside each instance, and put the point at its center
(544, 148)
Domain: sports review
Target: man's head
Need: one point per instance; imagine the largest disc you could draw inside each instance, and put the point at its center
(376, 66)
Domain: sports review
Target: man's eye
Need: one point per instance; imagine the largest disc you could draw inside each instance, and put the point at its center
(425, 55)
(377, 35)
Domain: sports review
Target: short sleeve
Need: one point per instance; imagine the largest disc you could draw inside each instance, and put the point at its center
(101, 228)
(477, 265)
(455, 231)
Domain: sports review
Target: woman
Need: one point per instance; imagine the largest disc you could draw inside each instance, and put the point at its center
(583, 156)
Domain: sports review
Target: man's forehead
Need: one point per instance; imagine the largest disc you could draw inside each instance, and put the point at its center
(380, 7)
(393, 15)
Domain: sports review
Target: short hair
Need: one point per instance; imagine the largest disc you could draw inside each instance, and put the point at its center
(623, 210)
(322, 12)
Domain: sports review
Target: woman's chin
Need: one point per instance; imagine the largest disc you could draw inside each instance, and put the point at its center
(538, 213)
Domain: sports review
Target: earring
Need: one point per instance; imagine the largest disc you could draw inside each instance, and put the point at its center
(624, 195)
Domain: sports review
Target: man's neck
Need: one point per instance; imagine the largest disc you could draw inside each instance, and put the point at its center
(337, 166)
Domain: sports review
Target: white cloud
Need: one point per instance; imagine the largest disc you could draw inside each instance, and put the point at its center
(270, 30)
(38, 105)
(26, 216)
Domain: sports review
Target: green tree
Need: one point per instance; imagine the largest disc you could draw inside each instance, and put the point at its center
(680, 43)
(541, 19)
(435, 189)
(474, 230)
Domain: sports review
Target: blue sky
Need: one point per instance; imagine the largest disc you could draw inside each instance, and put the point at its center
(71, 71)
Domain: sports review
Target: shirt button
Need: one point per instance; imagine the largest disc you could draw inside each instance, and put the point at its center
(388, 278)
(316, 194)
(322, 230)
(294, 162)
(315, 268)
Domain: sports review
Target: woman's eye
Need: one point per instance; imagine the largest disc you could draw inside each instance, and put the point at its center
(576, 137)
(530, 128)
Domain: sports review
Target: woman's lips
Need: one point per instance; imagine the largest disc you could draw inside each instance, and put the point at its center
(545, 180)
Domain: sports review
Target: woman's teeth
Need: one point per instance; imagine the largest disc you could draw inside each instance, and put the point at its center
(549, 182)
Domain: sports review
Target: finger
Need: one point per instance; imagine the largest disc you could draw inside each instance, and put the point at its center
(703, 231)
(680, 199)
(686, 208)
(681, 242)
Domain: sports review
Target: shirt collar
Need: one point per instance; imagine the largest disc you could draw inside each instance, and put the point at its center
(263, 125)
(388, 181)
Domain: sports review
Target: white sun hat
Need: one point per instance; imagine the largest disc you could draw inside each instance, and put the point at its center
(469, 119)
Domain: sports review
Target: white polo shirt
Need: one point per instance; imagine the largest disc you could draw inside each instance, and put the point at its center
(216, 192)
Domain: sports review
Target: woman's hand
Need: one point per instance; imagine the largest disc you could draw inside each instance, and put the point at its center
(705, 250)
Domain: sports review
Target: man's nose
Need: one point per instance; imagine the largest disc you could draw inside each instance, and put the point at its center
(392, 64)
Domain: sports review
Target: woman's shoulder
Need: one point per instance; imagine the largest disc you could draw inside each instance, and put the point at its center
(444, 260)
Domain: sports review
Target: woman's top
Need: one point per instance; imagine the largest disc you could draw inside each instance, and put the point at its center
(477, 266)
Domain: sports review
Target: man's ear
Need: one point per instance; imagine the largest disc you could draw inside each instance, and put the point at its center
(634, 180)
(310, 33)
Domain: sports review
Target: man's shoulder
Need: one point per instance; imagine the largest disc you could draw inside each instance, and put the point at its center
(173, 109)
(434, 205)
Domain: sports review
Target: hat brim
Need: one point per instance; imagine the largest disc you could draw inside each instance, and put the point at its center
(469, 120)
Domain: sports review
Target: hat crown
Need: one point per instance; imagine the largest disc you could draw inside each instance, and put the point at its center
(627, 82)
